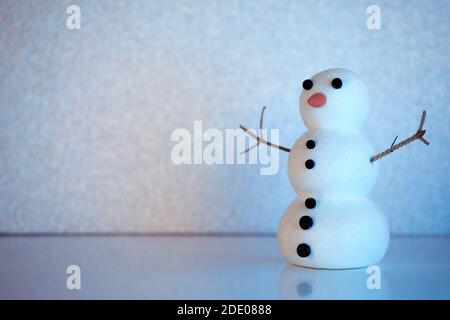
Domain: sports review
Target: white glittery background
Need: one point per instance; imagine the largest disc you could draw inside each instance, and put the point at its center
(86, 116)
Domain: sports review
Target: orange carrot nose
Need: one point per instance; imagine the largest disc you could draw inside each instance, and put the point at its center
(317, 100)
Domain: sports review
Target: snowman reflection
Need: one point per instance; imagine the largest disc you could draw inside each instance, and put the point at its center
(306, 283)
(332, 167)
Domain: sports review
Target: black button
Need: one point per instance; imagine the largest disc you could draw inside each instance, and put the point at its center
(310, 203)
(309, 164)
(336, 83)
(303, 250)
(307, 84)
(310, 144)
(306, 222)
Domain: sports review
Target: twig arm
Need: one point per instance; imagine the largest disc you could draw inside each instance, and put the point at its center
(417, 136)
(259, 139)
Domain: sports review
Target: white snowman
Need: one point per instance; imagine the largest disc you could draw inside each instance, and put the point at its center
(332, 224)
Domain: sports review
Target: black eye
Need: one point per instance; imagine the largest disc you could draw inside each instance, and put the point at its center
(336, 83)
(307, 84)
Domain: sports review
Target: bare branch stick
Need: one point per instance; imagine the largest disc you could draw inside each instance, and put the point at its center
(418, 135)
(259, 139)
(393, 142)
(261, 118)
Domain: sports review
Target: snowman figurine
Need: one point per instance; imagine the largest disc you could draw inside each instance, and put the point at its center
(332, 168)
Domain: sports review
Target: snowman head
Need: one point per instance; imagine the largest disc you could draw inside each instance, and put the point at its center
(334, 99)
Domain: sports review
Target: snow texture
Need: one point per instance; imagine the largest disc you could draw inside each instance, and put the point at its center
(86, 115)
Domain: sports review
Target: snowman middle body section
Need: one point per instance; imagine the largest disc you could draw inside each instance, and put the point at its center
(332, 224)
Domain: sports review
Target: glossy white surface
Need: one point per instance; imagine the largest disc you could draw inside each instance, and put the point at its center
(209, 267)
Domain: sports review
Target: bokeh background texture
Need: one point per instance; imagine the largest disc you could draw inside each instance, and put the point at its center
(86, 115)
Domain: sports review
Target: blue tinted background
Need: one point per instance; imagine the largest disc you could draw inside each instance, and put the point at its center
(86, 116)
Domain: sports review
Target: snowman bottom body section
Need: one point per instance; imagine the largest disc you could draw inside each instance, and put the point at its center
(332, 224)
(345, 234)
